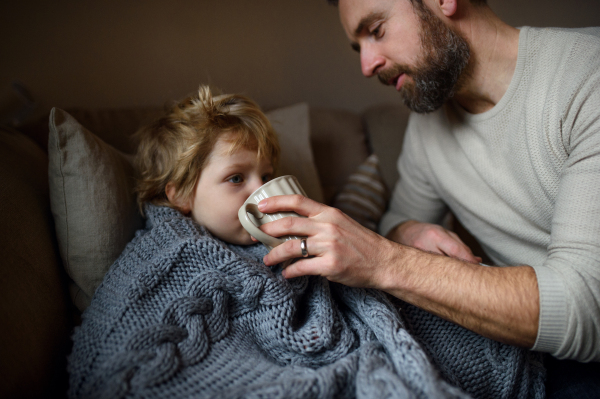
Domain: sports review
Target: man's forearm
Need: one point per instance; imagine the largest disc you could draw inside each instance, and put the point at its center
(501, 303)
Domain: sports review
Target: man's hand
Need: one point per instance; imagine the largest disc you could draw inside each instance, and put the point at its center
(432, 238)
(340, 249)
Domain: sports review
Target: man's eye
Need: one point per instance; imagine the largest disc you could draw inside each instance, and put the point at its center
(377, 31)
(237, 179)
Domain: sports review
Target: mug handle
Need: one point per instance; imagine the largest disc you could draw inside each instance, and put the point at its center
(251, 228)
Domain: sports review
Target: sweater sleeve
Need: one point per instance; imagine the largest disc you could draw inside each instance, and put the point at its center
(414, 197)
(569, 280)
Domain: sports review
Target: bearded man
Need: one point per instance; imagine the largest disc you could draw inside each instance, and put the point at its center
(505, 134)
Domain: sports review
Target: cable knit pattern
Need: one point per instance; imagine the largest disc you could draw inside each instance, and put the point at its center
(182, 314)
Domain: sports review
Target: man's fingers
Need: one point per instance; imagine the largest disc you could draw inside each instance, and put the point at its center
(456, 237)
(297, 203)
(302, 267)
(290, 226)
(466, 250)
(312, 265)
(433, 238)
(455, 248)
(290, 250)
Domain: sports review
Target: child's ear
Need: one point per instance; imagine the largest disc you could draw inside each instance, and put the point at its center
(182, 205)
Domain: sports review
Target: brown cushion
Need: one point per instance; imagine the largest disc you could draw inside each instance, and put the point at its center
(293, 129)
(339, 146)
(385, 126)
(34, 305)
(115, 126)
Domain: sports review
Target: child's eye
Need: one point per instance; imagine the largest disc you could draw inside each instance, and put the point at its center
(236, 179)
(266, 178)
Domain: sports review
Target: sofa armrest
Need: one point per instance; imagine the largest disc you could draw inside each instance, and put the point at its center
(34, 305)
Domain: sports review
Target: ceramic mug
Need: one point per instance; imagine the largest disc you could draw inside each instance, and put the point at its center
(251, 218)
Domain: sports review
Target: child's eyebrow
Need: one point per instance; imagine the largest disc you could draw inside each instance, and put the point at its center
(238, 165)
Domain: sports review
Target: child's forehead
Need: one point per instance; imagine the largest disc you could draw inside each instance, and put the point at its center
(229, 150)
(231, 142)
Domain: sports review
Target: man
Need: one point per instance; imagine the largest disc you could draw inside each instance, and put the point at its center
(507, 135)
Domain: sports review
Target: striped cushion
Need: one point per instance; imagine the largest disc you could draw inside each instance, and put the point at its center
(365, 196)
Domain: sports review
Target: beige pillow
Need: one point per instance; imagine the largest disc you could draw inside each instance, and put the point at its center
(92, 199)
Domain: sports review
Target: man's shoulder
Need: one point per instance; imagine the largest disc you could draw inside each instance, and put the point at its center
(561, 59)
(563, 41)
(567, 34)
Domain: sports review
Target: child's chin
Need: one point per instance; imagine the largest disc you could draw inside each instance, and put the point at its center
(246, 240)
(236, 238)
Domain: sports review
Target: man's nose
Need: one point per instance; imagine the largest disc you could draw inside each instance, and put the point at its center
(370, 61)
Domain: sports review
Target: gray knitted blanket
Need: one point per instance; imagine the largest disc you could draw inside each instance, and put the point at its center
(182, 314)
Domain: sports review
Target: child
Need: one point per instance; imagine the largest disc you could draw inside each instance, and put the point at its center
(205, 158)
(190, 310)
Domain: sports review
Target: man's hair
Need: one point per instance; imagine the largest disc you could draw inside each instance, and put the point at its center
(418, 2)
(175, 148)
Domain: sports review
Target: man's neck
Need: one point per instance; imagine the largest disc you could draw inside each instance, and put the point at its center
(494, 49)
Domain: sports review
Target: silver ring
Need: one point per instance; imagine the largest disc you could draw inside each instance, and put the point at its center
(303, 248)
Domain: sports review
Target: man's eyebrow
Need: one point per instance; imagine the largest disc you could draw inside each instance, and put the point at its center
(362, 24)
(367, 20)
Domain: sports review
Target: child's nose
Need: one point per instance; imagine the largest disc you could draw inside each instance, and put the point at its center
(255, 184)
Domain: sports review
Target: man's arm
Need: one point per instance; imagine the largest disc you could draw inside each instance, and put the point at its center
(500, 303)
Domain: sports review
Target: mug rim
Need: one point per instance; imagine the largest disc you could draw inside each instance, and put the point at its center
(273, 180)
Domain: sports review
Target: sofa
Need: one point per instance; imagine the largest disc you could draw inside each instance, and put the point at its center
(64, 172)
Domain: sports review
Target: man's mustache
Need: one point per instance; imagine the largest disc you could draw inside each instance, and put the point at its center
(387, 75)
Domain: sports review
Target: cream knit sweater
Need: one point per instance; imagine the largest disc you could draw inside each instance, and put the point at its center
(524, 178)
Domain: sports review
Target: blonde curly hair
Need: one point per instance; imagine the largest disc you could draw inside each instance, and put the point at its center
(175, 148)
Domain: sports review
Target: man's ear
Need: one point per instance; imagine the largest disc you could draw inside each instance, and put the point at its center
(182, 205)
(448, 7)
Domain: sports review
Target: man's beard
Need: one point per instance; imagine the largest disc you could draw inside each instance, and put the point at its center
(436, 77)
